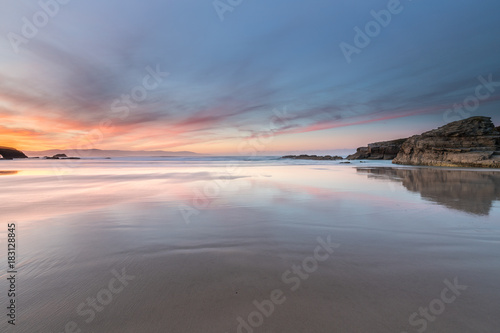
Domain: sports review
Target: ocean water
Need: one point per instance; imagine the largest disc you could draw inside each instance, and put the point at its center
(249, 244)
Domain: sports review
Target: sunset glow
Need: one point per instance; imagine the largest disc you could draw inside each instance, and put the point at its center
(213, 87)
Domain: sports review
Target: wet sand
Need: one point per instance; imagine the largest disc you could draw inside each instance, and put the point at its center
(257, 241)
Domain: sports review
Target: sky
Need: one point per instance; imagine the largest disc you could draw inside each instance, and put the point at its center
(242, 76)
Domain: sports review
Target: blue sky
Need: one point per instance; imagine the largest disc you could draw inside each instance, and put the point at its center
(64, 85)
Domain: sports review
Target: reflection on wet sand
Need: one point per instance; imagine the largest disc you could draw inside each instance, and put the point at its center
(6, 173)
(470, 191)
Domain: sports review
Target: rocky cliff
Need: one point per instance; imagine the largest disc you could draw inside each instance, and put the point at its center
(473, 142)
(9, 153)
(386, 150)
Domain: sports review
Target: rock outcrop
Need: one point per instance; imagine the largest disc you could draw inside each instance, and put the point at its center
(313, 157)
(61, 157)
(9, 153)
(473, 142)
(385, 150)
(360, 154)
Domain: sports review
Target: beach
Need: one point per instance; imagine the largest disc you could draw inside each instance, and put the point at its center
(244, 245)
(233, 166)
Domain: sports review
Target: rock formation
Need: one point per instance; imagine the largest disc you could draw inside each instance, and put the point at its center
(313, 157)
(61, 157)
(10, 153)
(473, 142)
(386, 150)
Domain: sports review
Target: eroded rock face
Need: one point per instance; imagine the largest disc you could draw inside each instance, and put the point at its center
(385, 150)
(9, 153)
(473, 142)
(361, 153)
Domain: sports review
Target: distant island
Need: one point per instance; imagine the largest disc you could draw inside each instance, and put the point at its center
(60, 157)
(8, 153)
(110, 153)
